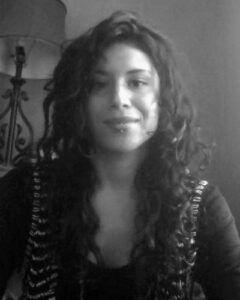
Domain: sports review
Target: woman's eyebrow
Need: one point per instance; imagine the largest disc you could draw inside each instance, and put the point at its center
(135, 71)
(100, 72)
(132, 71)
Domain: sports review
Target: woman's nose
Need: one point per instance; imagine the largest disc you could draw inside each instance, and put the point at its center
(120, 96)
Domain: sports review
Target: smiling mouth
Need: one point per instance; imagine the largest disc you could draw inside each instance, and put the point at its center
(121, 124)
(122, 120)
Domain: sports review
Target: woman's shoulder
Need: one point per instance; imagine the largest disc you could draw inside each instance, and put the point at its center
(215, 211)
(16, 172)
(218, 267)
(15, 181)
(15, 195)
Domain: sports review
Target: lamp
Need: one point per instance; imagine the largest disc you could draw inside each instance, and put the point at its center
(31, 32)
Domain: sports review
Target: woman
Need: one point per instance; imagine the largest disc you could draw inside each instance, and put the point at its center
(114, 207)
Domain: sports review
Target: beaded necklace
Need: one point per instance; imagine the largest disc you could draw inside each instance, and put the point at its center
(41, 274)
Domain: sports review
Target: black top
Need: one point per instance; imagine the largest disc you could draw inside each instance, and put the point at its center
(101, 284)
(218, 261)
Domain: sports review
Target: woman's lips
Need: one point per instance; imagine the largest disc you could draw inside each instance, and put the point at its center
(121, 123)
(121, 120)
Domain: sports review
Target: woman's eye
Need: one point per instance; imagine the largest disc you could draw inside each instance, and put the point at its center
(138, 83)
(99, 85)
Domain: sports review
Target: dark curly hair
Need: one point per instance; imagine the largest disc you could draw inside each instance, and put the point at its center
(165, 179)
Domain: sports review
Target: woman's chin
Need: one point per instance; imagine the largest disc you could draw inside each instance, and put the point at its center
(123, 147)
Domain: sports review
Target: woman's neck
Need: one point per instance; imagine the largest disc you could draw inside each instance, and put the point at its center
(117, 170)
(115, 204)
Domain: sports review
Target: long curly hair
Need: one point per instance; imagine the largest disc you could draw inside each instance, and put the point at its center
(166, 177)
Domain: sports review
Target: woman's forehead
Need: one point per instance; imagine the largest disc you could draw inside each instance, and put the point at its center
(122, 56)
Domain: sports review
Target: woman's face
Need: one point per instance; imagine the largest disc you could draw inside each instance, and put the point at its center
(123, 107)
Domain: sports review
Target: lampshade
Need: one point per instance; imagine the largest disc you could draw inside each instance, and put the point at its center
(36, 25)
